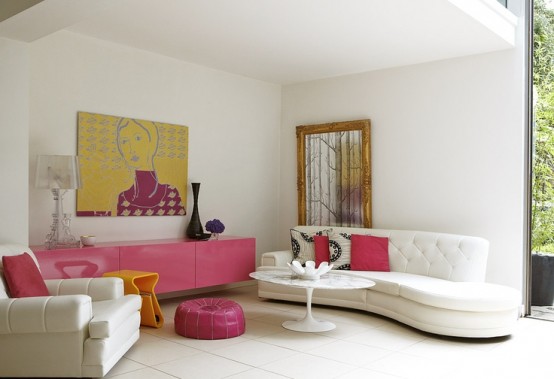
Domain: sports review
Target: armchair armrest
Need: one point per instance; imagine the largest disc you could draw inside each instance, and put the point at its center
(277, 258)
(97, 288)
(45, 314)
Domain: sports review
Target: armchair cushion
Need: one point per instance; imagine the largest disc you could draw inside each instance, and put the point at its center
(23, 276)
(110, 314)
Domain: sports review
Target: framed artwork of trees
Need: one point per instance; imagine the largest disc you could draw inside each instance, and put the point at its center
(334, 174)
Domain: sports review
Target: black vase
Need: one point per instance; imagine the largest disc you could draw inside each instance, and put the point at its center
(195, 230)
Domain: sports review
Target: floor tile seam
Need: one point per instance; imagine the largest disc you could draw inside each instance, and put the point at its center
(341, 376)
(404, 334)
(265, 335)
(127, 372)
(163, 372)
(407, 346)
(344, 321)
(461, 348)
(393, 349)
(164, 362)
(260, 318)
(269, 311)
(408, 334)
(173, 342)
(341, 338)
(239, 343)
(281, 346)
(362, 345)
(158, 368)
(206, 350)
(294, 307)
(350, 366)
(392, 352)
(384, 372)
(257, 366)
(288, 347)
(268, 371)
(272, 323)
(183, 343)
(446, 367)
(355, 366)
(281, 310)
(232, 360)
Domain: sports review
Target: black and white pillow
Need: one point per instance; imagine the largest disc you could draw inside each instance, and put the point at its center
(339, 250)
(302, 243)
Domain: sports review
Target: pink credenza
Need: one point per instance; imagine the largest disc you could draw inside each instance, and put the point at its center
(181, 263)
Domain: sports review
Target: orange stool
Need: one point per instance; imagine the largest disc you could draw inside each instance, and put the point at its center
(142, 283)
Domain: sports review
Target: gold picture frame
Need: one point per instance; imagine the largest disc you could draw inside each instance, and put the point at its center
(326, 153)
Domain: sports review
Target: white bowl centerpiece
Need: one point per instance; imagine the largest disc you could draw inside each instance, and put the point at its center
(309, 272)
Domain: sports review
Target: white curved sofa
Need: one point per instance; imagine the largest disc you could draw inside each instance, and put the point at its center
(435, 284)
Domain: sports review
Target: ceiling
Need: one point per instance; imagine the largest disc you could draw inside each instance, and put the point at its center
(280, 41)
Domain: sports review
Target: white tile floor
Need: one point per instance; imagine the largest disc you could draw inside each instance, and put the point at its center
(362, 346)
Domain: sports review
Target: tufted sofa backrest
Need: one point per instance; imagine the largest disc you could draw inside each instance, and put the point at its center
(11, 249)
(445, 256)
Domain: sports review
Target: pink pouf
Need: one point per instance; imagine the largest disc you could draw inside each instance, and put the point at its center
(209, 319)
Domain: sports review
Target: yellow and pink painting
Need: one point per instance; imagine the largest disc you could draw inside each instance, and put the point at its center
(131, 167)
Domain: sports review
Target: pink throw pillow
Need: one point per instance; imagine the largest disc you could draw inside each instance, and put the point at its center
(23, 277)
(369, 253)
(321, 249)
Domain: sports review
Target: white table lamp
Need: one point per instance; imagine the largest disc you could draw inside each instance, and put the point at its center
(59, 173)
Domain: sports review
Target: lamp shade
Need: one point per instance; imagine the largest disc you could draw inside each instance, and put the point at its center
(58, 171)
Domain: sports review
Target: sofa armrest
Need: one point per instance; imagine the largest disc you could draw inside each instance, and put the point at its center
(277, 258)
(97, 288)
(45, 314)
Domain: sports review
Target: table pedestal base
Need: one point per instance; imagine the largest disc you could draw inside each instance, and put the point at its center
(308, 323)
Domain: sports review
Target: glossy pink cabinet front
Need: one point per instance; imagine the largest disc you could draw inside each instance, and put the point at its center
(88, 262)
(182, 264)
(174, 262)
(224, 261)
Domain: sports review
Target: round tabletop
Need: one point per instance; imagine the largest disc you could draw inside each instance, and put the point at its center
(330, 280)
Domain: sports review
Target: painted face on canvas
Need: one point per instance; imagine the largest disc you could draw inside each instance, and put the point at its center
(137, 145)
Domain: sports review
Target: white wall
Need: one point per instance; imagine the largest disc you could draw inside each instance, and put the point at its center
(233, 132)
(14, 132)
(447, 148)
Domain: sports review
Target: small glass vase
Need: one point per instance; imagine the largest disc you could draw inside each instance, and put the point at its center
(214, 237)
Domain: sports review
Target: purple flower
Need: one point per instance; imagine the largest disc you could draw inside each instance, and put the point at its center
(215, 226)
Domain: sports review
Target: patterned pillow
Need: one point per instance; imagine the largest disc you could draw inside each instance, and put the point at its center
(339, 250)
(303, 247)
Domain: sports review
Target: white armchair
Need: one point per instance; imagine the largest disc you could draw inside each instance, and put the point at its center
(81, 330)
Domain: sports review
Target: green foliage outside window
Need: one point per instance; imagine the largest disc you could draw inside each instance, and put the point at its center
(542, 226)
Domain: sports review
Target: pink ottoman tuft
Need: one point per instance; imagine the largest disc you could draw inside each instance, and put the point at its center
(209, 319)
